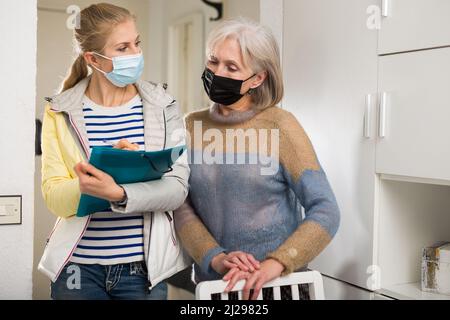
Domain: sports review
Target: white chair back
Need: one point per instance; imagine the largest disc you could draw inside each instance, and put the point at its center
(296, 286)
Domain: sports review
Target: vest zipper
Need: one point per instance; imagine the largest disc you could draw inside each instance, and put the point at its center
(89, 218)
(152, 213)
(172, 231)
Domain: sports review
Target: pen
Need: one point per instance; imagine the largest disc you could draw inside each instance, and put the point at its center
(111, 143)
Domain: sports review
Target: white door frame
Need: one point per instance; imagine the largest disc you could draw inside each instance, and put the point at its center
(190, 93)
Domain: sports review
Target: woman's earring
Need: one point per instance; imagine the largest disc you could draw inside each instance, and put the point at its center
(251, 91)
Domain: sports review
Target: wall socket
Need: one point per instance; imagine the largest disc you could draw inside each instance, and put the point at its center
(10, 210)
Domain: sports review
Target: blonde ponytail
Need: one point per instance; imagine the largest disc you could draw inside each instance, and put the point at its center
(78, 72)
(96, 24)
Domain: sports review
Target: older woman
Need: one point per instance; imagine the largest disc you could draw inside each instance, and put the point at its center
(252, 168)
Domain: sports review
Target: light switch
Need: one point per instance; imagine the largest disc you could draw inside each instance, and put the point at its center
(10, 210)
(3, 211)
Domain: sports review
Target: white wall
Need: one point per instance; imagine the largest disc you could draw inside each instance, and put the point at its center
(272, 16)
(244, 8)
(17, 88)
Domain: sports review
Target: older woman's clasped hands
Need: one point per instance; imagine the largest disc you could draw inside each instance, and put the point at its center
(239, 266)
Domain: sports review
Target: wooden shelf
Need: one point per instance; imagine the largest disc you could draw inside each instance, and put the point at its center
(411, 291)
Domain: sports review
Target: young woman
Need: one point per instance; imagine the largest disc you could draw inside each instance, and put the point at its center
(241, 220)
(126, 252)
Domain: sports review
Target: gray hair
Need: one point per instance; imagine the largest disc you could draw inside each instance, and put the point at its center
(260, 52)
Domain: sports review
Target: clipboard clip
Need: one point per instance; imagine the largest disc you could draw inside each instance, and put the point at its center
(154, 167)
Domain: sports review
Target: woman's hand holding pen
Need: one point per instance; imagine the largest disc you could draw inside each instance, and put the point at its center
(124, 144)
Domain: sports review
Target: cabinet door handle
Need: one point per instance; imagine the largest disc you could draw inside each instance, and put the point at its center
(385, 8)
(382, 122)
(367, 116)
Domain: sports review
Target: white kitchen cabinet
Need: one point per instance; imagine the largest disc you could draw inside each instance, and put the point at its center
(416, 141)
(373, 119)
(414, 24)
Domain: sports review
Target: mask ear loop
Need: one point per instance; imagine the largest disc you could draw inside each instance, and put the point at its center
(105, 57)
(250, 77)
(100, 55)
(251, 90)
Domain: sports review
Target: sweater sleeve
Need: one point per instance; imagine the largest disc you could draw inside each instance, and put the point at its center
(195, 237)
(307, 179)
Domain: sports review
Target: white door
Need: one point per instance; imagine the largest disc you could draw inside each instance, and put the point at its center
(417, 114)
(330, 59)
(186, 62)
(415, 24)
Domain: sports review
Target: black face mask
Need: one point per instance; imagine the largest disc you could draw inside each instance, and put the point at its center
(221, 90)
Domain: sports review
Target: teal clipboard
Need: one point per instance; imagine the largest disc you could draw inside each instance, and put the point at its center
(127, 167)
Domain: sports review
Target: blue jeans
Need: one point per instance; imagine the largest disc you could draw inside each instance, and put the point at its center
(96, 282)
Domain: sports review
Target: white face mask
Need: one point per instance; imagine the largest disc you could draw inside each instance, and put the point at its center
(126, 69)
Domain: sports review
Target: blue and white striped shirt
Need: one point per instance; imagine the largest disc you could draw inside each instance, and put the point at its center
(113, 238)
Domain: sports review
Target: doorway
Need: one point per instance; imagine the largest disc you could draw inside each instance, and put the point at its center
(173, 34)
